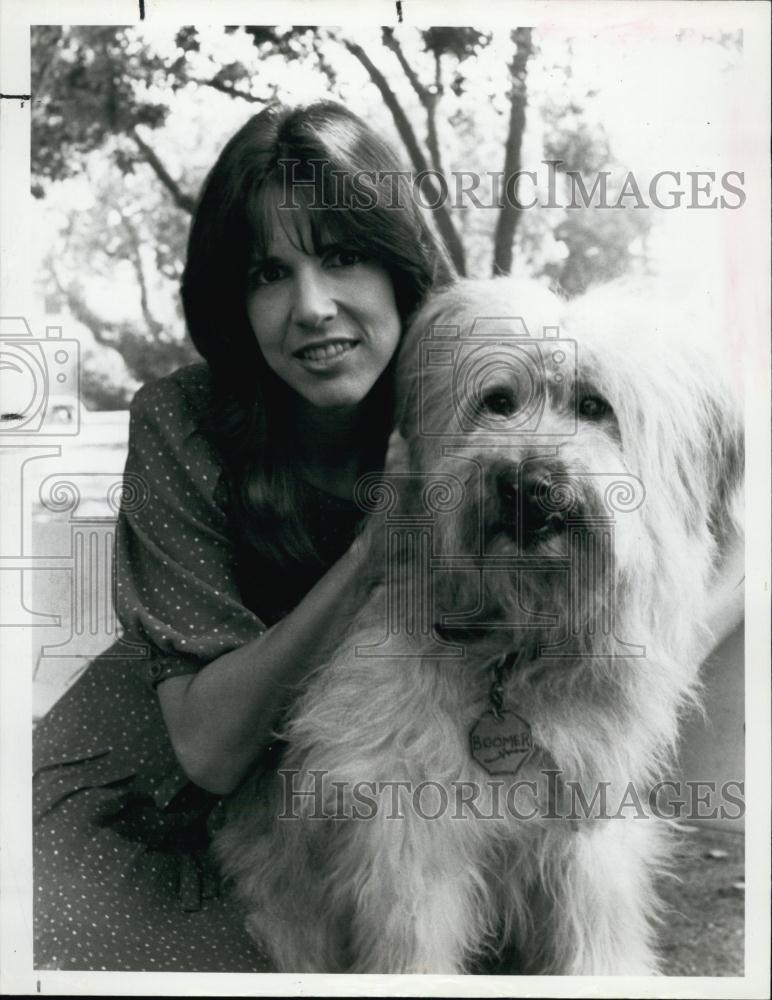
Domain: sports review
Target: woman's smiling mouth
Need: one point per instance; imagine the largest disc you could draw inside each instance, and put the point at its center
(322, 354)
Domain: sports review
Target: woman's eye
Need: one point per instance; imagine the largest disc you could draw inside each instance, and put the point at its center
(266, 274)
(500, 402)
(344, 258)
(593, 407)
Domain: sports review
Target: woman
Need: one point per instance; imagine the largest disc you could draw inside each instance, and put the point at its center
(238, 562)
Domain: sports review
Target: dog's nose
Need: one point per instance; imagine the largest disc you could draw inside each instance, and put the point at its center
(524, 513)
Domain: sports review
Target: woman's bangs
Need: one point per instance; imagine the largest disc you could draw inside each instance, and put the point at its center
(308, 216)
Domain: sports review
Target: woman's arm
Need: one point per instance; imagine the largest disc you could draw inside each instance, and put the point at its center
(225, 679)
(222, 717)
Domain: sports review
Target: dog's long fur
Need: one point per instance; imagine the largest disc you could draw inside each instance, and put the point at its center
(391, 895)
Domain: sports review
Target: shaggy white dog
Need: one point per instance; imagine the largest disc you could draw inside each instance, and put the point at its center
(469, 777)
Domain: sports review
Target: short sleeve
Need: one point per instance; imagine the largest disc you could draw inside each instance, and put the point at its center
(175, 582)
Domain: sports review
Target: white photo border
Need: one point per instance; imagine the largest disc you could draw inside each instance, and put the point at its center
(17, 298)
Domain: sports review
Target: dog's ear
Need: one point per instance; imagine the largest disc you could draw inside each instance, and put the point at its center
(709, 368)
(672, 383)
(727, 458)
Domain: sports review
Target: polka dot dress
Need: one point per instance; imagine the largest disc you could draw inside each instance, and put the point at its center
(123, 877)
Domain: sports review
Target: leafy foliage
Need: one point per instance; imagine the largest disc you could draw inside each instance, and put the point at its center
(459, 42)
(87, 85)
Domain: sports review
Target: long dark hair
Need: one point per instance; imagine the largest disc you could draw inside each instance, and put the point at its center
(327, 162)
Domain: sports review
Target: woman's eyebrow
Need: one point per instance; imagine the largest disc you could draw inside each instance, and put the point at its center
(259, 260)
(319, 250)
(336, 246)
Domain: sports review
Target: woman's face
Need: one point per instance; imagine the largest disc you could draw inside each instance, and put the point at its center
(326, 321)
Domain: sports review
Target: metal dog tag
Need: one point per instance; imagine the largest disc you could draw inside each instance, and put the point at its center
(501, 741)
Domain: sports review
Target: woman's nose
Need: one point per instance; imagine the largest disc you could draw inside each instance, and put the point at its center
(313, 302)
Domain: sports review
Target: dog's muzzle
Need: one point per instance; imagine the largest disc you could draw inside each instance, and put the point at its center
(525, 511)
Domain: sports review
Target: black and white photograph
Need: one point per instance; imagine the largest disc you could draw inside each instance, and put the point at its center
(384, 434)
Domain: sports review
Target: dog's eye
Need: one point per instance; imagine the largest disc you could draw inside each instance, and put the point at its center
(593, 407)
(501, 402)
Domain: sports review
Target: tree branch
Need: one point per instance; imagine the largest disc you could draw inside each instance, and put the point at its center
(322, 61)
(225, 88)
(444, 222)
(509, 214)
(104, 332)
(144, 358)
(387, 36)
(401, 120)
(155, 328)
(183, 200)
(427, 98)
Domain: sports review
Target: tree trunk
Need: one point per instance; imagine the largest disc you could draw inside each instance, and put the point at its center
(509, 213)
(427, 97)
(441, 214)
